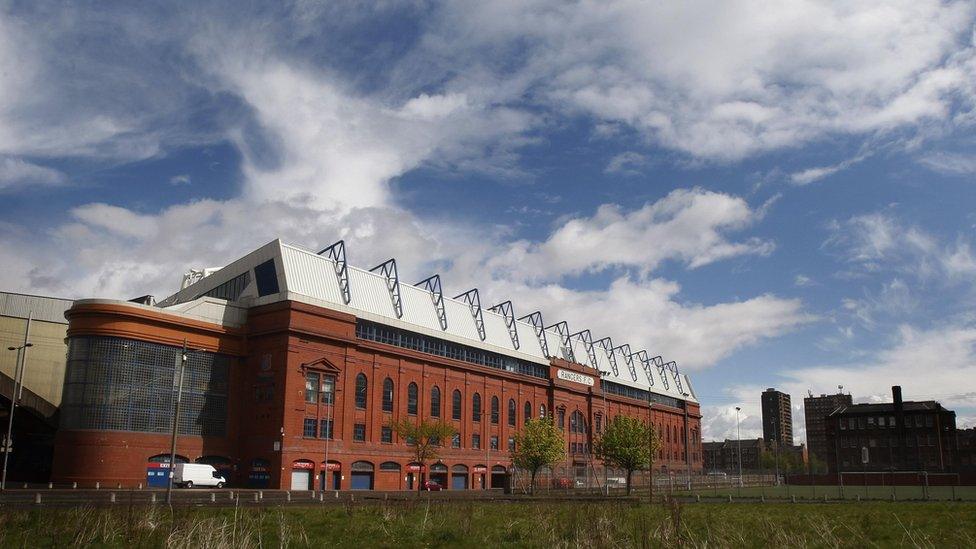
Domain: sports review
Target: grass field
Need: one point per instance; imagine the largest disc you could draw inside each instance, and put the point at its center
(851, 492)
(482, 525)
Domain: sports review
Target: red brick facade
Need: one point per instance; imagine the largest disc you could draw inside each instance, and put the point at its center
(284, 341)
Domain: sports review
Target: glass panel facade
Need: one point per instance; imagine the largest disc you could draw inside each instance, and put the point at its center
(117, 384)
(230, 290)
(432, 345)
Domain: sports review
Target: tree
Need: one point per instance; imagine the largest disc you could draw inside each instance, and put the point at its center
(540, 444)
(425, 437)
(627, 443)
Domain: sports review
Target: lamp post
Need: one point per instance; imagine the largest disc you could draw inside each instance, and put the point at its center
(176, 422)
(14, 397)
(738, 441)
(687, 441)
(606, 421)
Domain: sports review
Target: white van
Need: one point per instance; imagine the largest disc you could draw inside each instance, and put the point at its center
(189, 475)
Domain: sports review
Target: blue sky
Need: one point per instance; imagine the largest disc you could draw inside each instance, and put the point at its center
(771, 196)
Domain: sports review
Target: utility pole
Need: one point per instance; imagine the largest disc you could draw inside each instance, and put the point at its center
(176, 421)
(15, 395)
(738, 440)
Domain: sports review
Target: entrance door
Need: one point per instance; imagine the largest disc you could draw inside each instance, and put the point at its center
(410, 481)
(362, 481)
(459, 481)
(301, 479)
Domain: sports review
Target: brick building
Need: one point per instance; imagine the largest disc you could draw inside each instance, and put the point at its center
(815, 411)
(777, 418)
(897, 436)
(296, 362)
(723, 456)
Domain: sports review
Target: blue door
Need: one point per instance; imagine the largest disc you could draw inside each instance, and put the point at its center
(459, 481)
(362, 481)
(157, 477)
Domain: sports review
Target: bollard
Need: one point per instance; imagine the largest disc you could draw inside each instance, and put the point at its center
(98, 485)
(825, 498)
(74, 485)
(762, 499)
(25, 486)
(255, 497)
(313, 495)
(140, 486)
(697, 498)
(730, 498)
(37, 498)
(152, 497)
(337, 494)
(352, 497)
(231, 495)
(288, 497)
(120, 486)
(793, 498)
(321, 496)
(111, 497)
(858, 498)
(213, 497)
(892, 497)
(50, 485)
(260, 494)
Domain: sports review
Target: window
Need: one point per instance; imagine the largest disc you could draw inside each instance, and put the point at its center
(312, 387)
(325, 428)
(599, 423)
(267, 278)
(561, 417)
(928, 421)
(387, 395)
(456, 440)
(511, 444)
(456, 405)
(573, 422)
(870, 421)
(435, 402)
(476, 407)
(494, 410)
(494, 443)
(528, 412)
(843, 424)
(386, 434)
(881, 421)
(359, 432)
(328, 389)
(476, 442)
(412, 399)
(309, 428)
(891, 421)
(361, 391)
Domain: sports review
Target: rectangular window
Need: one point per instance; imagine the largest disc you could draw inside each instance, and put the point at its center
(843, 424)
(476, 442)
(494, 443)
(928, 421)
(511, 444)
(599, 423)
(456, 440)
(309, 428)
(891, 421)
(328, 389)
(311, 387)
(881, 421)
(325, 428)
(870, 421)
(267, 278)
(359, 432)
(561, 418)
(386, 435)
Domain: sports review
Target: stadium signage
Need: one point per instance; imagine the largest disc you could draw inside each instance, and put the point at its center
(567, 375)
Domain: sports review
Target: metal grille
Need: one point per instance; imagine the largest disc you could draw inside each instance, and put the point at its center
(116, 384)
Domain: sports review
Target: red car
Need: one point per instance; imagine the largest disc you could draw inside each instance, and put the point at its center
(432, 486)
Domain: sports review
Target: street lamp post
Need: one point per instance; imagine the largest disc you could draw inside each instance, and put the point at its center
(14, 397)
(738, 441)
(606, 420)
(176, 421)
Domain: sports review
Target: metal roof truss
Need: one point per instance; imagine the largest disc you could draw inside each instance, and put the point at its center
(587, 339)
(473, 300)
(337, 253)
(607, 345)
(535, 319)
(673, 368)
(563, 330)
(629, 359)
(388, 269)
(505, 309)
(433, 285)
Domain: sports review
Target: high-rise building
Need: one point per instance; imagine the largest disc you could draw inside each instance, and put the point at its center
(777, 417)
(816, 409)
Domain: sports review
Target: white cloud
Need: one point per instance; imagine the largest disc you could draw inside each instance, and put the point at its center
(809, 175)
(950, 163)
(181, 179)
(803, 281)
(626, 163)
(17, 173)
(688, 225)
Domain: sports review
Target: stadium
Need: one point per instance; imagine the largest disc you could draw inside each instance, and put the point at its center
(296, 362)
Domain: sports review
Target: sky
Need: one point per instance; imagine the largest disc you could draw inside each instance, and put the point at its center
(772, 195)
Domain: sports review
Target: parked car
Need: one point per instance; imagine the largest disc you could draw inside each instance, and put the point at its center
(432, 486)
(189, 475)
(562, 483)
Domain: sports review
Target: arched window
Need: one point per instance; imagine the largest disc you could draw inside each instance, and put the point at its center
(494, 409)
(528, 412)
(435, 402)
(361, 391)
(387, 395)
(511, 412)
(476, 407)
(412, 399)
(456, 405)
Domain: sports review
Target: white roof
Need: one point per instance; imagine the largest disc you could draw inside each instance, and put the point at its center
(303, 275)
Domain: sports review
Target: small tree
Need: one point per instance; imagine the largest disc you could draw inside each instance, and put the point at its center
(627, 443)
(425, 437)
(539, 445)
